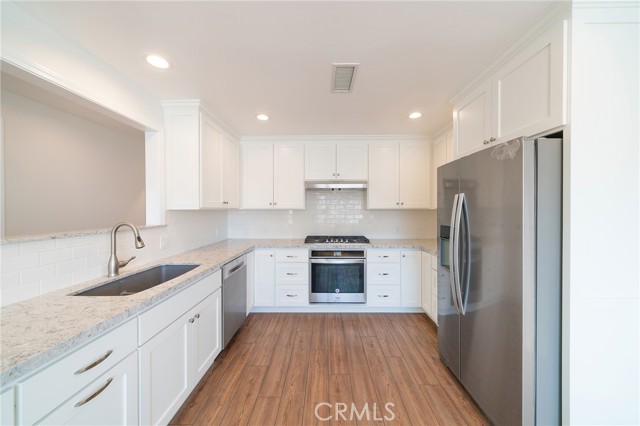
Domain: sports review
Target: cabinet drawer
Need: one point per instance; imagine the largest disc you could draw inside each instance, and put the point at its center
(296, 255)
(383, 295)
(55, 384)
(383, 256)
(292, 273)
(160, 316)
(111, 399)
(383, 273)
(292, 295)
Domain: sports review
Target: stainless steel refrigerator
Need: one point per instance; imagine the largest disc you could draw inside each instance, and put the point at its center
(499, 278)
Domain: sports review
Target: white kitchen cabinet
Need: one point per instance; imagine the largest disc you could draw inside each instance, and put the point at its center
(410, 278)
(525, 96)
(292, 277)
(430, 285)
(336, 161)
(383, 278)
(8, 407)
(251, 281)
(41, 393)
(111, 399)
(387, 296)
(173, 361)
(202, 161)
(441, 154)
(264, 277)
(399, 175)
(273, 176)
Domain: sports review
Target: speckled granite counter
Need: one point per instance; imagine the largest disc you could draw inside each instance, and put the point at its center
(39, 330)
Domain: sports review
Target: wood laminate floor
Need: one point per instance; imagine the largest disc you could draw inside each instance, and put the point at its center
(384, 368)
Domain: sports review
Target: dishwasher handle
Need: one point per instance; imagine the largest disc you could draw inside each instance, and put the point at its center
(232, 267)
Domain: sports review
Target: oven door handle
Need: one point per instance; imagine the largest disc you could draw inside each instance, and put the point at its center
(337, 261)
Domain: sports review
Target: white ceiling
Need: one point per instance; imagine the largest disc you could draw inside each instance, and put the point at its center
(244, 58)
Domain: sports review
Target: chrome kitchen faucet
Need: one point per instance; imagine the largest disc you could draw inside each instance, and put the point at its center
(114, 265)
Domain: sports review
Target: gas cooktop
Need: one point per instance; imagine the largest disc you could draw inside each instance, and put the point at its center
(333, 239)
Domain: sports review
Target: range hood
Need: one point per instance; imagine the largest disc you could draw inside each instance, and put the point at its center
(335, 184)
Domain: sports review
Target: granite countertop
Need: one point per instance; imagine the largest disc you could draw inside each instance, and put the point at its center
(39, 330)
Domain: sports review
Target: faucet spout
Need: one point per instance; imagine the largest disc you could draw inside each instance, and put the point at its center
(114, 265)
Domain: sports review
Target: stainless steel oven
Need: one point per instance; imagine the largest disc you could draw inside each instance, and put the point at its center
(337, 276)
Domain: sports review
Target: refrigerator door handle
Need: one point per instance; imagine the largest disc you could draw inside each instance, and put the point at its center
(466, 275)
(454, 251)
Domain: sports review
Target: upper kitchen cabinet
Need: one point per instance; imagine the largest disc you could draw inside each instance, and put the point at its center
(202, 161)
(441, 154)
(336, 161)
(273, 175)
(525, 96)
(399, 175)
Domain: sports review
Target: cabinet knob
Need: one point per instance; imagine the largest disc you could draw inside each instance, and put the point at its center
(402, 204)
(398, 203)
(270, 204)
(404, 255)
(191, 320)
(275, 204)
(485, 142)
(197, 315)
(492, 139)
(337, 174)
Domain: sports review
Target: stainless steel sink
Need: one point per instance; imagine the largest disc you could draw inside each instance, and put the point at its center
(135, 283)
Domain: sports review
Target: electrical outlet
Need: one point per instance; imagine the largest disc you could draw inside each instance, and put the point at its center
(164, 242)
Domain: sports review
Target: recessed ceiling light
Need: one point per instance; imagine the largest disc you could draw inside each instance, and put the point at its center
(415, 115)
(262, 117)
(157, 61)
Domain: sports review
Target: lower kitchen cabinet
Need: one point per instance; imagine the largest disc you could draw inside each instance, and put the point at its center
(292, 295)
(175, 360)
(264, 278)
(112, 399)
(410, 278)
(430, 285)
(383, 295)
(8, 407)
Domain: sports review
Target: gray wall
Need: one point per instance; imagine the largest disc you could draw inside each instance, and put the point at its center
(65, 173)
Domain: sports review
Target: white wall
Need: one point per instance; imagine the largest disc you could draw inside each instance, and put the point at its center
(601, 324)
(333, 213)
(33, 268)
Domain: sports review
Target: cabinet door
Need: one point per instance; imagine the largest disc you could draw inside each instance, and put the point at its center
(182, 155)
(438, 158)
(112, 399)
(426, 284)
(384, 179)
(320, 161)
(211, 165)
(264, 277)
(206, 334)
(352, 161)
(231, 170)
(410, 278)
(8, 407)
(472, 121)
(529, 90)
(415, 175)
(257, 176)
(288, 181)
(164, 373)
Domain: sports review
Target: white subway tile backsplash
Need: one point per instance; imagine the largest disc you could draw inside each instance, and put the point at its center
(16, 294)
(85, 251)
(10, 280)
(10, 250)
(18, 263)
(55, 283)
(37, 246)
(69, 242)
(84, 275)
(55, 256)
(70, 266)
(29, 276)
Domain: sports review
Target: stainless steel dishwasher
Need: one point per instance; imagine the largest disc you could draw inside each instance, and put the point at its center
(234, 297)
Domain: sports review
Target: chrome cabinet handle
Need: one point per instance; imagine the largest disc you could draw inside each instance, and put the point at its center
(292, 295)
(96, 393)
(383, 273)
(383, 257)
(290, 256)
(292, 273)
(94, 363)
(383, 295)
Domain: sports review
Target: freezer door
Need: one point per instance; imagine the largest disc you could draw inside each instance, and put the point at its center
(448, 317)
(491, 329)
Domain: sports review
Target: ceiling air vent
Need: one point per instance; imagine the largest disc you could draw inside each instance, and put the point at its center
(343, 76)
